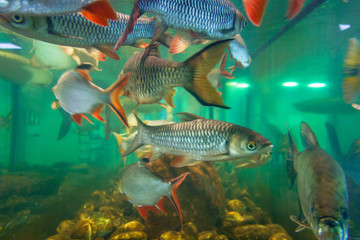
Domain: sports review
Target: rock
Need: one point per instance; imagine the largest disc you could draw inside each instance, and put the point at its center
(236, 205)
(59, 237)
(104, 226)
(234, 219)
(134, 235)
(221, 237)
(110, 212)
(248, 202)
(190, 230)
(280, 236)
(172, 235)
(252, 232)
(84, 229)
(276, 228)
(208, 235)
(129, 227)
(66, 227)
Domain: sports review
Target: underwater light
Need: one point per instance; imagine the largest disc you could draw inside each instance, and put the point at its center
(290, 84)
(316, 85)
(9, 46)
(231, 84)
(343, 27)
(242, 85)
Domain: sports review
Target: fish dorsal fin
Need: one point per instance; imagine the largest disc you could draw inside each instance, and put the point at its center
(334, 140)
(292, 151)
(302, 225)
(186, 117)
(308, 136)
(84, 69)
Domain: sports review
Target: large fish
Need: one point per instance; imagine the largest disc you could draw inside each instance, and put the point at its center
(97, 11)
(78, 96)
(197, 139)
(351, 81)
(322, 189)
(154, 78)
(205, 19)
(5, 121)
(76, 31)
(147, 191)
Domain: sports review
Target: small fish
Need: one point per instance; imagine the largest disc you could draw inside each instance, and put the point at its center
(5, 121)
(255, 9)
(239, 52)
(197, 139)
(215, 74)
(97, 11)
(351, 81)
(147, 191)
(205, 19)
(154, 78)
(74, 30)
(322, 189)
(78, 96)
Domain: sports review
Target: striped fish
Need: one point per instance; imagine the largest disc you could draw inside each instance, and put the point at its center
(206, 19)
(76, 31)
(198, 139)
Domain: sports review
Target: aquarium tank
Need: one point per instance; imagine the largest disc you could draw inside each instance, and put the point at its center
(179, 119)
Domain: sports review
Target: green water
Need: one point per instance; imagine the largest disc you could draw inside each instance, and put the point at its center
(310, 52)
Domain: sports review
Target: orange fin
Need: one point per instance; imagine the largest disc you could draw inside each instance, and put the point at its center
(255, 10)
(116, 90)
(99, 12)
(97, 113)
(160, 205)
(83, 115)
(77, 118)
(222, 68)
(294, 8)
(143, 211)
(141, 44)
(135, 14)
(163, 105)
(85, 73)
(180, 42)
(95, 53)
(175, 183)
(108, 51)
(169, 98)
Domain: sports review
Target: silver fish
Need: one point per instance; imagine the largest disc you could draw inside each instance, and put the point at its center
(198, 139)
(322, 189)
(147, 190)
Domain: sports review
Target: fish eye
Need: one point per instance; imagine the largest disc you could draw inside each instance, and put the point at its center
(251, 146)
(17, 18)
(145, 160)
(244, 24)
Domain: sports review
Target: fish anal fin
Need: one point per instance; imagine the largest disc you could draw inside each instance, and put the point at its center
(182, 161)
(84, 116)
(77, 118)
(143, 210)
(175, 183)
(169, 98)
(160, 205)
(99, 12)
(294, 8)
(180, 42)
(255, 10)
(97, 113)
(97, 54)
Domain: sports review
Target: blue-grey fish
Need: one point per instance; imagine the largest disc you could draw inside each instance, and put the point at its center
(147, 191)
(205, 19)
(97, 11)
(78, 96)
(197, 139)
(76, 31)
(322, 189)
(154, 78)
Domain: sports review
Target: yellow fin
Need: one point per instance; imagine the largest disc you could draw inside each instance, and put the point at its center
(353, 54)
(350, 87)
(169, 98)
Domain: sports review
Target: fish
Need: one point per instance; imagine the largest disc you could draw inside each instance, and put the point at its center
(205, 19)
(154, 78)
(78, 96)
(322, 190)
(215, 74)
(74, 30)
(255, 9)
(26, 72)
(239, 53)
(81, 55)
(333, 105)
(97, 11)
(351, 70)
(5, 121)
(195, 139)
(147, 191)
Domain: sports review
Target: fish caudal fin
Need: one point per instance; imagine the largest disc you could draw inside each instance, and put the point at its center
(137, 143)
(292, 151)
(115, 91)
(99, 12)
(255, 10)
(308, 136)
(175, 183)
(294, 8)
(201, 64)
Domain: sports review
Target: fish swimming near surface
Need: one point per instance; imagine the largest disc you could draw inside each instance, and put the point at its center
(351, 69)
(5, 121)
(322, 190)
(147, 191)
(154, 78)
(74, 30)
(78, 96)
(97, 11)
(204, 19)
(197, 139)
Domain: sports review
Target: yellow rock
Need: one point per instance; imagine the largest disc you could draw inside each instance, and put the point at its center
(65, 227)
(134, 235)
(172, 235)
(236, 205)
(280, 236)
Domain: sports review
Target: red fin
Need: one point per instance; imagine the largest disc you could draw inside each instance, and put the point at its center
(85, 73)
(294, 8)
(143, 211)
(108, 51)
(175, 183)
(97, 113)
(99, 12)
(160, 205)
(77, 118)
(129, 25)
(95, 53)
(178, 44)
(83, 115)
(255, 10)
(225, 73)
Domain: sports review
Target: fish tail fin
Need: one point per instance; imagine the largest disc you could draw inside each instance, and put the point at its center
(201, 64)
(294, 8)
(175, 183)
(115, 91)
(120, 139)
(308, 136)
(99, 12)
(292, 151)
(255, 10)
(137, 143)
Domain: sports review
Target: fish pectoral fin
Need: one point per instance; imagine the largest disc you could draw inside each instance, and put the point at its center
(96, 54)
(163, 105)
(294, 8)
(302, 224)
(99, 12)
(350, 87)
(223, 72)
(169, 98)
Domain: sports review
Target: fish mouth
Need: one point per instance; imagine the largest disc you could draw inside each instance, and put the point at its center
(258, 159)
(331, 229)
